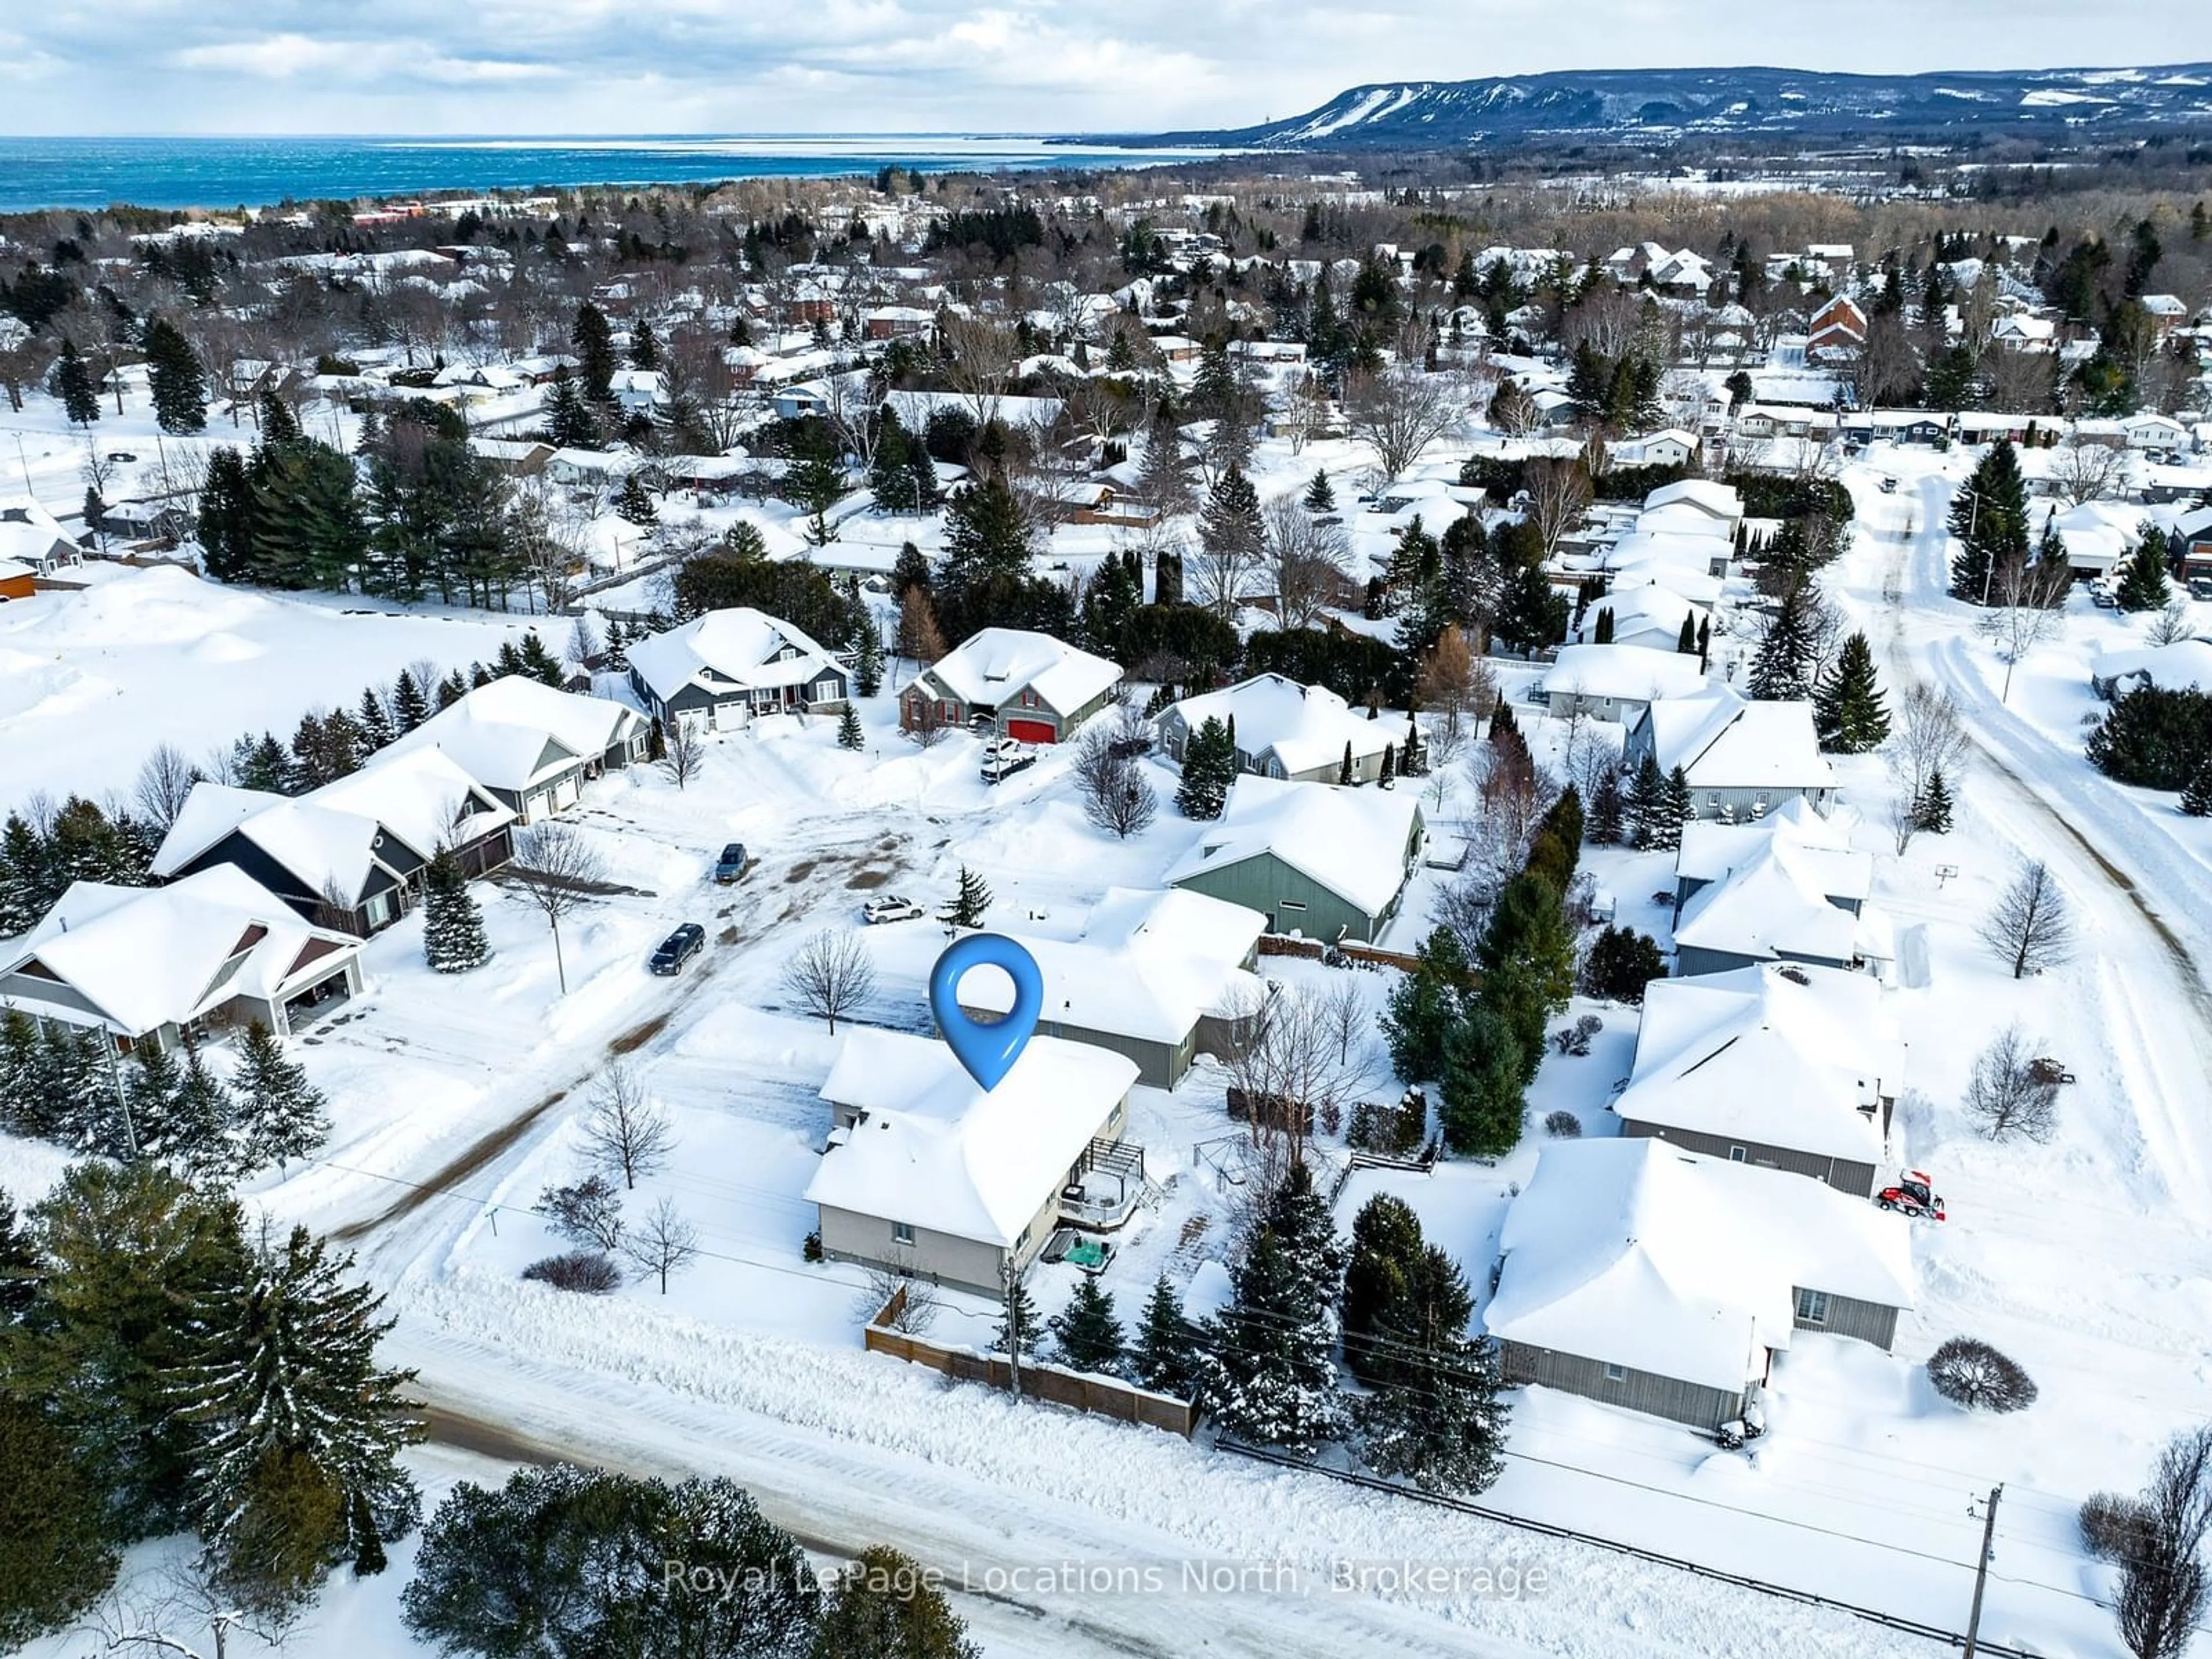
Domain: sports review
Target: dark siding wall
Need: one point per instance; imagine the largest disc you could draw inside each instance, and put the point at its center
(1856, 1179)
(1692, 1403)
(1868, 1322)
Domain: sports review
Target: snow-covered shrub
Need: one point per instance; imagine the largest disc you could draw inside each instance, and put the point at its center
(590, 1272)
(1563, 1126)
(2114, 1525)
(1969, 1372)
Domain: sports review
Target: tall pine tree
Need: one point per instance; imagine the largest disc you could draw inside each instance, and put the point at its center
(280, 1115)
(1848, 710)
(452, 927)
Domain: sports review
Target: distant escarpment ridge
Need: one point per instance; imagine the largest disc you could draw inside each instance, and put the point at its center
(1654, 104)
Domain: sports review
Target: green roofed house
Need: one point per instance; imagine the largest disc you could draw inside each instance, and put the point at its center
(1320, 859)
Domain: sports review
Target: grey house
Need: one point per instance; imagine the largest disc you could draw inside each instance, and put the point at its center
(1771, 895)
(160, 965)
(927, 1175)
(1285, 730)
(532, 747)
(1023, 685)
(351, 854)
(1779, 1067)
(1327, 862)
(727, 666)
(1159, 978)
(1673, 1284)
(1742, 759)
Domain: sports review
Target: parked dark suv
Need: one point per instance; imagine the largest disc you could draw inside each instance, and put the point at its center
(678, 948)
(731, 864)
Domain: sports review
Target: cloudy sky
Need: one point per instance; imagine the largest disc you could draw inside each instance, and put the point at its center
(577, 67)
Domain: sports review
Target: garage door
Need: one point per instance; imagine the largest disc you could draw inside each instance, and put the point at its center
(565, 793)
(1029, 730)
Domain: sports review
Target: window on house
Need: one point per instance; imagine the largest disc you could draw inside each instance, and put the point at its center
(1293, 904)
(1616, 1373)
(1813, 1307)
(1736, 1155)
(901, 1233)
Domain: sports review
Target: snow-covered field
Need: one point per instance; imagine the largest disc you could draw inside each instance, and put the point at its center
(457, 1102)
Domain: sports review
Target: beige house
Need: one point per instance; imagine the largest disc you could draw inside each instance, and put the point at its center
(930, 1174)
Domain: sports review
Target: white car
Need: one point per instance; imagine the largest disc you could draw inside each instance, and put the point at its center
(889, 907)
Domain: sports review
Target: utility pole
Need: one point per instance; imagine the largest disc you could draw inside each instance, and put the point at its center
(1981, 1566)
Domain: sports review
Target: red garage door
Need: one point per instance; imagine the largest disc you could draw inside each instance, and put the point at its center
(1029, 730)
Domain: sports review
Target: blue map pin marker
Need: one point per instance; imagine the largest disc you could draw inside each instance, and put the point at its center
(988, 1051)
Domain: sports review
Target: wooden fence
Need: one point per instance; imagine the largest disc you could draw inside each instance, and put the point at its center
(1313, 950)
(1103, 1396)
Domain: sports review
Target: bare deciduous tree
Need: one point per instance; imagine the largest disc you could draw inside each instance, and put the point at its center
(1559, 494)
(1296, 1064)
(684, 749)
(1116, 794)
(624, 1131)
(830, 975)
(1928, 737)
(2088, 471)
(981, 357)
(1305, 558)
(2172, 625)
(2165, 1590)
(663, 1243)
(914, 1313)
(2009, 1094)
(1398, 412)
(2017, 617)
(558, 870)
(2031, 928)
(164, 779)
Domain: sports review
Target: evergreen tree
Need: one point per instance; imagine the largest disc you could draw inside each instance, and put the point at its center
(1932, 812)
(1603, 633)
(569, 422)
(20, 1269)
(202, 1114)
(968, 902)
(1440, 1416)
(79, 398)
(1231, 529)
(1423, 1005)
(888, 1607)
(1413, 762)
(2142, 584)
(1320, 496)
(1386, 1248)
(1685, 643)
(280, 1115)
(1848, 709)
(644, 349)
(634, 505)
(1164, 1357)
(1608, 821)
(2196, 799)
(1481, 1082)
(1085, 1333)
(283, 1394)
(1387, 774)
(1266, 1376)
(1620, 964)
(1298, 1215)
(126, 1248)
(868, 663)
(1016, 1334)
(1680, 808)
(1647, 804)
(57, 1558)
(375, 724)
(987, 534)
(453, 926)
(539, 662)
(225, 520)
(1209, 767)
(1782, 667)
(849, 734)
(149, 1094)
(175, 378)
(1344, 771)
(595, 350)
(892, 477)
(1988, 519)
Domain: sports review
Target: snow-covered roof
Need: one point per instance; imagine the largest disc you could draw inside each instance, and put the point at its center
(1787, 1055)
(1305, 726)
(1643, 607)
(994, 665)
(739, 648)
(1717, 500)
(1634, 672)
(1710, 850)
(1633, 1252)
(1722, 740)
(2173, 667)
(933, 1150)
(1774, 904)
(146, 957)
(1349, 840)
(1149, 965)
(517, 731)
(330, 838)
